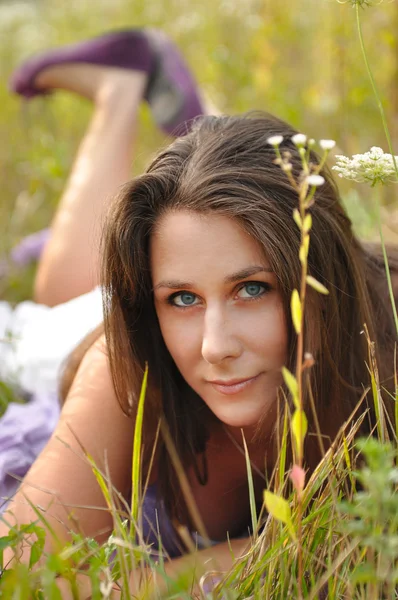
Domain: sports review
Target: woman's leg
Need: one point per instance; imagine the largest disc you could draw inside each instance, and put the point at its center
(115, 71)
(70, 261)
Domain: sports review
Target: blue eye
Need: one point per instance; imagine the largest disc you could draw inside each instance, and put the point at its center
(253, 289)
(183, 299)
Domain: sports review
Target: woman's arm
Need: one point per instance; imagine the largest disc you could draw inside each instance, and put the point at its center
(61, 482)
(217, 559)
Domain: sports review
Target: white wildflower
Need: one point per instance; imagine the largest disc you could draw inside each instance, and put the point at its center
(106, 585)
(315, 180)
(327, 144)
(275, 140)
(106, 588)
(372, 167)
(299, 139)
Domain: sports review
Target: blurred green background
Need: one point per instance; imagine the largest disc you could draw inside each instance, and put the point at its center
(299, 59)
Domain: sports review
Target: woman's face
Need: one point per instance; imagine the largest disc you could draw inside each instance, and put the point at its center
(220, 313)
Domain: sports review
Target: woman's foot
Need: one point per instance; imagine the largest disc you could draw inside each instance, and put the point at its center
(87, 67)
(172, 91)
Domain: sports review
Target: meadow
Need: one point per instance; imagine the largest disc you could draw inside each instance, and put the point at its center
(301, 60)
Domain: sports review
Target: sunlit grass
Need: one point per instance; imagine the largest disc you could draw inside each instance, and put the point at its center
(341, 527)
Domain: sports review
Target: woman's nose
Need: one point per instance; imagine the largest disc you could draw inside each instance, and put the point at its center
(219, 341)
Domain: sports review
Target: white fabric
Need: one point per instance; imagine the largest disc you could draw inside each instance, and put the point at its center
(35, 339)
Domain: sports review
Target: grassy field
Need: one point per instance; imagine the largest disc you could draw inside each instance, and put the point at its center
(298, 59)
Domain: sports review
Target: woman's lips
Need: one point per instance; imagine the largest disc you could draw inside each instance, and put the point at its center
(234, 386)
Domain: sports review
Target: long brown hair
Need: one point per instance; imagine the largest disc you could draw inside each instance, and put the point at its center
(225, 165)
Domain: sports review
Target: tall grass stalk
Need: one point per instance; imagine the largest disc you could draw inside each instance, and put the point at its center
(252, 499)
(305, 240)
(375, 388)
(283, 450)
(136, 462)
(305, 187)
(396, 393)
(184, 483)
(106, 488)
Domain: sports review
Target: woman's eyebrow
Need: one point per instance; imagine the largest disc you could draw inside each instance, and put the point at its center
(175, 284)
(247, 272)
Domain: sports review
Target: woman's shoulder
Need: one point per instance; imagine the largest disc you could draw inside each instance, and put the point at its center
(92, 392)
(92, 412)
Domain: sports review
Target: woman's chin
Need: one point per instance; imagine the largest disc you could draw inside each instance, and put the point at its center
(246, 417)
(241, 421)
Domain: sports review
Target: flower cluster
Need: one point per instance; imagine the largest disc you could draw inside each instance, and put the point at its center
(311, 175)
(372, 167)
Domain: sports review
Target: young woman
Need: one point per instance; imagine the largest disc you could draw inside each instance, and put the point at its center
(200, 258)
(116, 72)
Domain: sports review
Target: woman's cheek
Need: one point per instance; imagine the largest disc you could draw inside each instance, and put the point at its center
(179, 336)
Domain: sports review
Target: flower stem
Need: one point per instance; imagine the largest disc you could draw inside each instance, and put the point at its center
(386, 266)
(299, 376)
(388, 137)
(375, 90)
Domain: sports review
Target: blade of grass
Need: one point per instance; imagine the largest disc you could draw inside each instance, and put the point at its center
(252, 498)
(135, 474)
(184, 483)
(396, 392)
(283, 449)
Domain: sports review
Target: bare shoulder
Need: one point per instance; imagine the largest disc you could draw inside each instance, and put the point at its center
(92, 382)
(61, 481)
(93, 416)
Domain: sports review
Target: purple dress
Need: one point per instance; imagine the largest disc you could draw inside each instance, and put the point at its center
(157, 528)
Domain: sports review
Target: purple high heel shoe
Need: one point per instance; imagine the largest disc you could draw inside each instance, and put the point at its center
(171, 90)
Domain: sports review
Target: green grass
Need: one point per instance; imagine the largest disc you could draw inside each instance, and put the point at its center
(350, 542)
